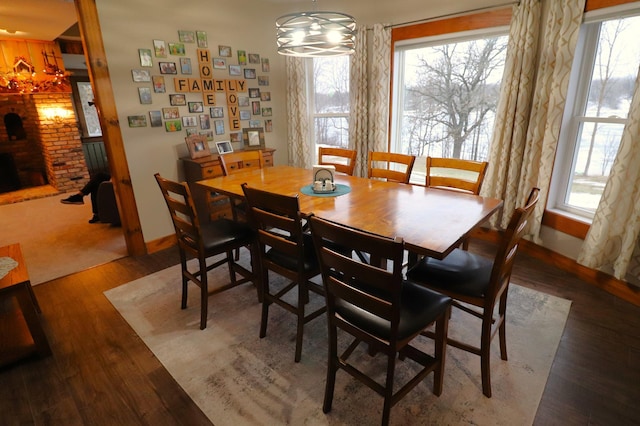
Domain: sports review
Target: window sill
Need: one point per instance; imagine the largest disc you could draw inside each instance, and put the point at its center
(566, 222)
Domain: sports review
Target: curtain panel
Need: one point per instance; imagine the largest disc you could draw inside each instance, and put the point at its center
(612, 241)
(529, 157)
(369, 85)
(298, 134)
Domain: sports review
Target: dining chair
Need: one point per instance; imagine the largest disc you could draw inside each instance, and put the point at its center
(343, 159)
(455, 174)
(375, 306)
(476, 284)
(203, 241)
(235, 162)
(284, 248)
(397, 167)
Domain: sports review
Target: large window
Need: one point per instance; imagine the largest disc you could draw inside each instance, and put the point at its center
(329, 103)
(601, 88)
(446, 93)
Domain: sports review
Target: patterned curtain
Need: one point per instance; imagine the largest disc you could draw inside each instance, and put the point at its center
(369, 85)
(612, 240)
(530, 160)
(298, 133)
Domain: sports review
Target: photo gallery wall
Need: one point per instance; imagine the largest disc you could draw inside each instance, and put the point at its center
(202, 91)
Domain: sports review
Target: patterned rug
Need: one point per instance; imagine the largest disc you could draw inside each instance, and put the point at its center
(236, 378)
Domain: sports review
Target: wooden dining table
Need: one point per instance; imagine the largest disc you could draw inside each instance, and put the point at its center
(431, 221)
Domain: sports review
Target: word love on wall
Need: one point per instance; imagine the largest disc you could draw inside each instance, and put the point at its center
(209, 87)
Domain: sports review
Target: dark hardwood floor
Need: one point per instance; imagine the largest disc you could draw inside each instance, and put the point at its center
(101, 373)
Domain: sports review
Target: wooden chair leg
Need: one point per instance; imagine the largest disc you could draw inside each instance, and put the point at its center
(485, 359)
(332, 368)
(204, 294)
(303, 299)
(388, 391)
(440, 353)
(265, 302)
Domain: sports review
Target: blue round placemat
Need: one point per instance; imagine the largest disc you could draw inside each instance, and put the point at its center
(340, 190)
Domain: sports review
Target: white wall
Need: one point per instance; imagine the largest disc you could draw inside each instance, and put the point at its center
(128, 26)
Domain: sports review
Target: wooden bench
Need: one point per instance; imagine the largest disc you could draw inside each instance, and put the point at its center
(21, 333)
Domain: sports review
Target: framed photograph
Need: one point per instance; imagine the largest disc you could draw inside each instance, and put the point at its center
(158, 84)
(177, 49)
(235, 70)
(219, 63)
(160, 48)
(170, 113)
(185, 67)
(243, 101)
(145, 95)
(267, 112)
(191, 131)
(205, 122)
(249, 73)
(254, 93)
(141, 75)
(155, 117)
(263, 80)
(224, 51)
(265, 96)
(235, 136)
(145, 57)
(216, 112)
(268, 126)
(224, 147)
(189, 121)
(255, 107)
(208, 134)
(245, 115)
(137, 121)
(168, 68)
(198, 146)
(253, 138)
(173, 125)
(254, 58)
(265, 65)
(195, 107)
(187, 36)
(219, 127)
(177, 99)
(201, 39)
(254, 123)
(242, 57)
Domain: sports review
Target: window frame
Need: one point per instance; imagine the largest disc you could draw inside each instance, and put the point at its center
(456, 29)
(311, 108)
(573, 118)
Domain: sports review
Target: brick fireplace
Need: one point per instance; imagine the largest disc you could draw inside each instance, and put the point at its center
(49, 151)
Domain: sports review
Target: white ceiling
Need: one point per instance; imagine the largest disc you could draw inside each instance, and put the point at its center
(35, 19)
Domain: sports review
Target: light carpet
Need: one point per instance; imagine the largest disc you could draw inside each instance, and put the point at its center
(56, 239)
(236, 378)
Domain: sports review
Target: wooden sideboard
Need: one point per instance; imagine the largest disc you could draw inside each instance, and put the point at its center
(211, 205)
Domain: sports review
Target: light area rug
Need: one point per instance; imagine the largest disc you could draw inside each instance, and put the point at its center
(236, 378)
(56, 239)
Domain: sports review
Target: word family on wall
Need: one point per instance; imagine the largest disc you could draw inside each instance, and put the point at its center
(213, 91)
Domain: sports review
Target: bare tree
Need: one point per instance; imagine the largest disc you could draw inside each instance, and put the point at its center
(603, 70)
(455, 91)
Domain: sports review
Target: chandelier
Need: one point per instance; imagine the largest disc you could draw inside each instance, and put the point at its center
(310, 34)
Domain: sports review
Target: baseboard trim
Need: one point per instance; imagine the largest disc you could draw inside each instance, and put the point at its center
(606, 282)
(161, 243)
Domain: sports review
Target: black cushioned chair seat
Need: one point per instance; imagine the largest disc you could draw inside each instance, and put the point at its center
(223, 232)
(461, 271)
(420, 307)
